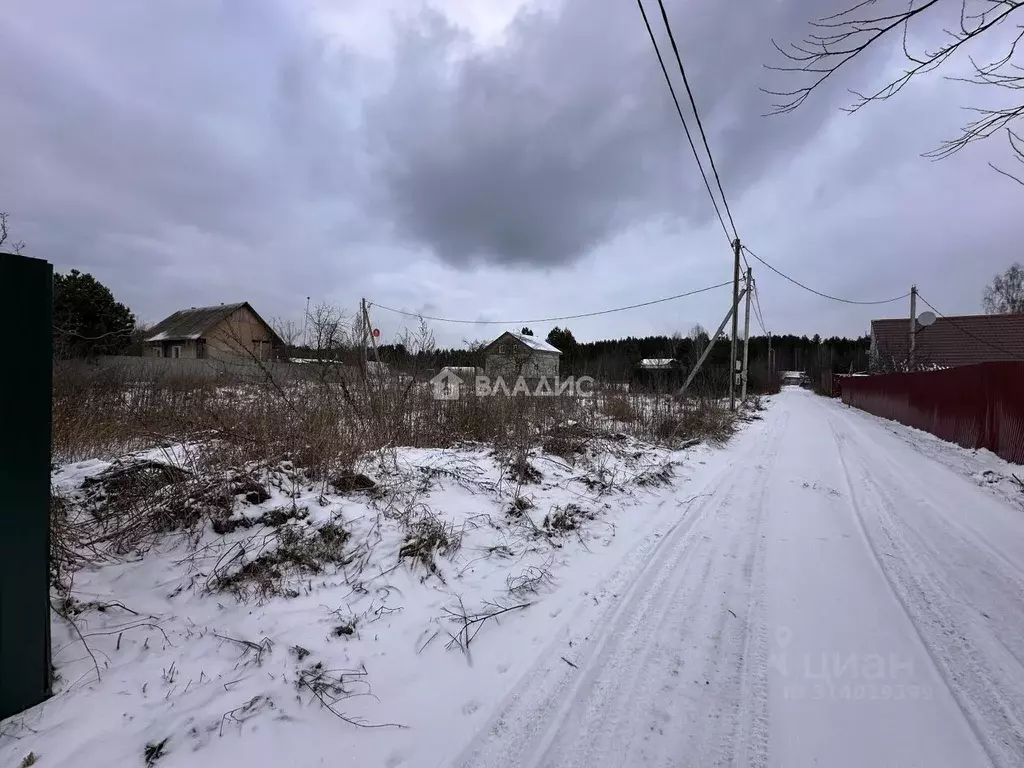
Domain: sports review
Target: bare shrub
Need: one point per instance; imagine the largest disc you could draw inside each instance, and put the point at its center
(532, 580)
(519, 506)
(428, 536)
(656, 476)
(471, 622)
(296, 551)
(332, 686)
(566, 519)
(521, 470)
(619, 408)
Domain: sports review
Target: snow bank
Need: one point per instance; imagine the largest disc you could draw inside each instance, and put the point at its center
(376, 660)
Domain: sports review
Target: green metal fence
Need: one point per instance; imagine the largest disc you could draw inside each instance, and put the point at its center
(26, 371)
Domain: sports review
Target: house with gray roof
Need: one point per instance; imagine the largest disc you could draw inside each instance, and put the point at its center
(224, 332)
(516, 354)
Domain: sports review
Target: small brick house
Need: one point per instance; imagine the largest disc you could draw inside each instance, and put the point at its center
(516, 354)
(224, 332)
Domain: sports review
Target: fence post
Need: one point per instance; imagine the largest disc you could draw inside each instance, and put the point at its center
(26, 309)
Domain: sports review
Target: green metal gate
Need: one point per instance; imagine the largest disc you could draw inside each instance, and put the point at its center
(26, 377)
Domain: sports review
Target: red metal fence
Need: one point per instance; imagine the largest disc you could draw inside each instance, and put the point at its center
(977, 406)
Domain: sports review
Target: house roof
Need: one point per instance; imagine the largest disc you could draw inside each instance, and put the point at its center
(530, 341)
(195, 322)
(657, 362)
(952, 341)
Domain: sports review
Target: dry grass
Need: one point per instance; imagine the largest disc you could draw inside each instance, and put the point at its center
(427, 536)
(220, 443)
(322, 428)
(620, 408)
(297, 551)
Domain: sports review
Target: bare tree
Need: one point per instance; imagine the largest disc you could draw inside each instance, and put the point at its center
(700, 339)
(838, 39)
(16, 246)
(675, 344)
(332, 332)
(1005, 293)
(419, 346)
(288, 330)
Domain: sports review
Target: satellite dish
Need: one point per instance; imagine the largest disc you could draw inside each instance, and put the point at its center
(925, 319)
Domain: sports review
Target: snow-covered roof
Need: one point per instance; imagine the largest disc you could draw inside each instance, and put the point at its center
(531, 341)
(657, 362)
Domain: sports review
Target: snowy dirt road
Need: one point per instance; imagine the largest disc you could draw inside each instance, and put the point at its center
(835, 596)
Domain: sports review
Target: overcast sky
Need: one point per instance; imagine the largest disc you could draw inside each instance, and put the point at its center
(479, 159)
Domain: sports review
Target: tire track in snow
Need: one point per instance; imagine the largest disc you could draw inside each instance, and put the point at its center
(985, 678)
(907, 477)
(676, 673)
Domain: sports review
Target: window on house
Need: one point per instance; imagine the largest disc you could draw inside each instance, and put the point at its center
(176, 350)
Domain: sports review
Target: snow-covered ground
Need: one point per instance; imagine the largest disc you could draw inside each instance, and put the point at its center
(829, 589)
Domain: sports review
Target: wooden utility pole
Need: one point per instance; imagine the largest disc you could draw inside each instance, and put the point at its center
(368, 331)
(707, 350)
(771, 363)
(735, 321)
(305, 321)
(913, 325)
(746, 332)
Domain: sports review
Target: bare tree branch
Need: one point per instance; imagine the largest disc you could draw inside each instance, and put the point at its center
(838, 39)
(16, 246)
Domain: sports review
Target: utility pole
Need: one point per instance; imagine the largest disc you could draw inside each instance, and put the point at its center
(771, 363)
(362, 335)
(368, 331)
(913, 324)
(746, 333)
(735, 321)
(305, 320)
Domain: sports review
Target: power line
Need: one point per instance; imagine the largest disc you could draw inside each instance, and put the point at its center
(819, 293)
(968, 333)
(696, 114)
(549, 319)
(115, 332)
(758, 315)
(757, 309)
(679, 111)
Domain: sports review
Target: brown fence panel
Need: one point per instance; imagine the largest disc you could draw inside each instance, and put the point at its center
(976, 406)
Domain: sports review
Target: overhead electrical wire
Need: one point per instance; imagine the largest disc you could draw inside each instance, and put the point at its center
(819, 293)
(549, 319)
(758, 313)
(696, 114)
(679, 111)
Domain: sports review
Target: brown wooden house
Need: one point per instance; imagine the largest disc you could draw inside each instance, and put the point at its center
(225, 332)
